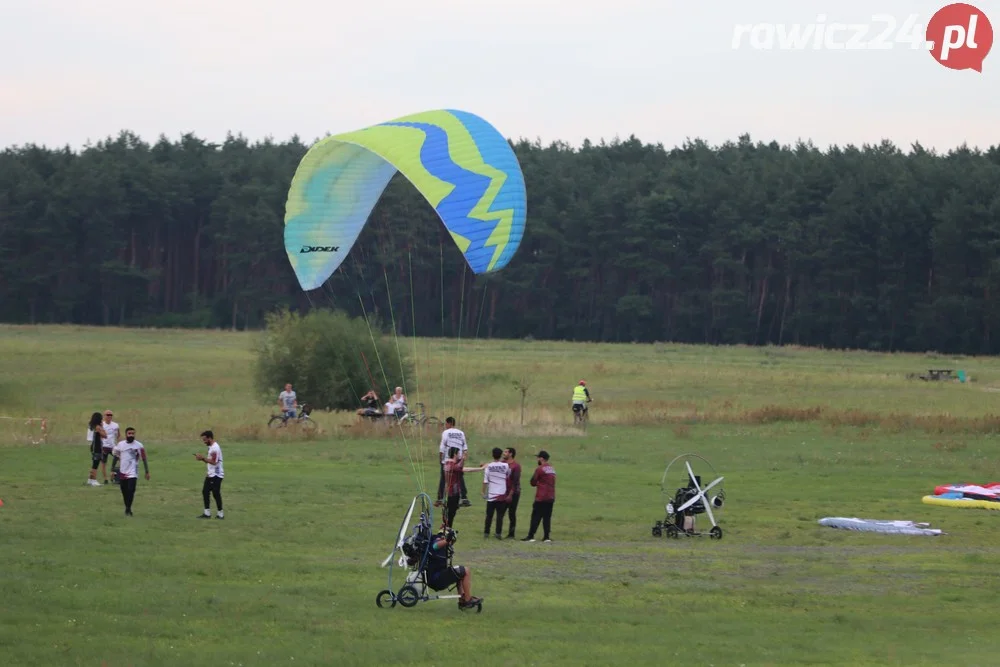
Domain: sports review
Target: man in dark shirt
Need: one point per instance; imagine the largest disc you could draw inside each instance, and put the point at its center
(544, 481)
(441, 574)
(514, 488)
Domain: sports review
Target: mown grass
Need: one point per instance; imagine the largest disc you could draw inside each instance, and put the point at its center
(290, 576)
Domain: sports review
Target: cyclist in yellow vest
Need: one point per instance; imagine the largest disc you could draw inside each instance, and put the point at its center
(580, 397)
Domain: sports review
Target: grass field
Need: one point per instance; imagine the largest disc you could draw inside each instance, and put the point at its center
(291, 575)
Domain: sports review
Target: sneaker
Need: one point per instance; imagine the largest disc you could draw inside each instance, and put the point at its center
(499, 536)
(547, 540)
(465, 503)
(204, 516)
(219, 516)
(105, 481)
(527, 539)
(486, 536)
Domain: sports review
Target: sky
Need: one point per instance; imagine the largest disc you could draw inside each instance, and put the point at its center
(78, 71)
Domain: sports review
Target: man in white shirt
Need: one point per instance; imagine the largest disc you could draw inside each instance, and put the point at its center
(495, 478)
(108, 443)
(452, 437)
(213, 478)
(130, 451)
(288, 402)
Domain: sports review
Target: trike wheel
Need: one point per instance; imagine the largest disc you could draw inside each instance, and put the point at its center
(715, 533)
(408, 596)
(385, 598)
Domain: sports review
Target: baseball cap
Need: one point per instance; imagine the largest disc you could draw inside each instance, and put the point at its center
(544, 454)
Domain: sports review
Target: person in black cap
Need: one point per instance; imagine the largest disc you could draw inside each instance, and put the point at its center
(544, 481)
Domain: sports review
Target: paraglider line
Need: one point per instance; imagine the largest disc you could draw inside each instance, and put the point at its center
(458, 353)
(386, 379)
(479, 324)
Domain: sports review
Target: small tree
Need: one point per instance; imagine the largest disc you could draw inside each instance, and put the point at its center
(523, 385)
(329, 358)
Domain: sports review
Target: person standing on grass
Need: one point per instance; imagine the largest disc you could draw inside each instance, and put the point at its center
(454, 474)
(129, 451)
(213, 479)
(452, 437)
(95, 435)
(513, 489)
(496, 476)
(544, 481)
(288, 402)
(107, 446)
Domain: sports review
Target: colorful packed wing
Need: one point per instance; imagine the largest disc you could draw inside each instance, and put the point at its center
(460, 163)
(973, 496)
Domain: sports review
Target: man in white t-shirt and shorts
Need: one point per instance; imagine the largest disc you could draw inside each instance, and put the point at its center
(108, 443)
(213, 478)
(288, 402)
(452, 437)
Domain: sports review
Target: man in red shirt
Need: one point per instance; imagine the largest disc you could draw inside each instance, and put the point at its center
(513, 488)
(544, 481)
(453, 475)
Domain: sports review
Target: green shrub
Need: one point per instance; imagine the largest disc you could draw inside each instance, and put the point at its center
(329, 357)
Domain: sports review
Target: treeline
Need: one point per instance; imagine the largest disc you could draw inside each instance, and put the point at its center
(753, 243)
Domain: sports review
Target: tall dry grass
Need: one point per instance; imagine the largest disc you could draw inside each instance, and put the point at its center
(171, 385)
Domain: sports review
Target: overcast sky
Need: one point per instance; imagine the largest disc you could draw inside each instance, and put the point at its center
(79, 70)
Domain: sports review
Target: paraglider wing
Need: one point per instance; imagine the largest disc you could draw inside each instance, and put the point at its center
(460, 163)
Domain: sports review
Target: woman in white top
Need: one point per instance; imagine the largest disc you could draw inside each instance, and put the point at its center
(397, 404)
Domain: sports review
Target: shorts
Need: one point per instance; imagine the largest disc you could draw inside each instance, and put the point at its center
(288, 414)
(105, 453)
(446, 578)
(95, 460)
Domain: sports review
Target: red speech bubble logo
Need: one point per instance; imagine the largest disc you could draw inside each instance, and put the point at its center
(962, 36)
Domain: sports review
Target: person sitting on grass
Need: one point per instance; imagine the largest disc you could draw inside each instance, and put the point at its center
(370, 401)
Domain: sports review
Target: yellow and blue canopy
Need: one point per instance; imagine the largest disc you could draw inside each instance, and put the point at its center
(460, 163)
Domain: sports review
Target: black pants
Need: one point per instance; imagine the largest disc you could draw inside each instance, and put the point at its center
(512, 513)
(452, 510)
(541, 512)
(213, 486)
(500, 508)
(440, 496)
(127, 486)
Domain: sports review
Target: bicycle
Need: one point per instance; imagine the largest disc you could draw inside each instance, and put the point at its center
(580, 414)
(419, 418)
(302, 420)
